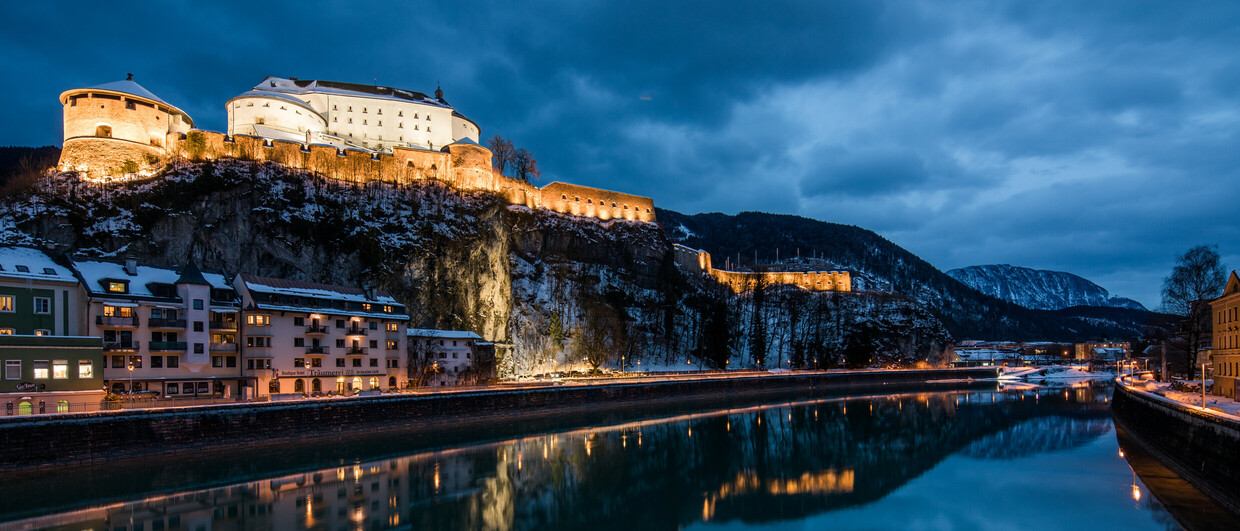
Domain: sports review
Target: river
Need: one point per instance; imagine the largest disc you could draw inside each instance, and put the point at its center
(1014, 458)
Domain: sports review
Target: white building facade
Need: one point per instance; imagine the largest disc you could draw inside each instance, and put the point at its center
(450, 352)
(347, 115)
(309, 339)
(170, 332)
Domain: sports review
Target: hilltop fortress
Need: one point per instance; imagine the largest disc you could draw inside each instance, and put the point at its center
(345, 131)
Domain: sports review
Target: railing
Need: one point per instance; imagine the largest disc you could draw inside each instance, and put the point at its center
(159, 322)
(355, 351)
(355, 331)
(116, 320)
(223, 347)
(117, 346)
(223, 325)
(166, 346)
(316, 349)
(313, 329)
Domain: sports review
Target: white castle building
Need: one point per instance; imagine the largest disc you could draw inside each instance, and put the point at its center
(347, 115)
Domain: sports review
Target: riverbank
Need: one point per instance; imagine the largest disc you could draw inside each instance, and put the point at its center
(1198, 445)
(93, 438)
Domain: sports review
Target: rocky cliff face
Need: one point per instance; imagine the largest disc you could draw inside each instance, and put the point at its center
(553, 291)
(1039, 289)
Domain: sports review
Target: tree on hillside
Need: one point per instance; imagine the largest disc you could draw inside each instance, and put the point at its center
(1197, 277)
(757, 322)
(503, 152)
(524, 166)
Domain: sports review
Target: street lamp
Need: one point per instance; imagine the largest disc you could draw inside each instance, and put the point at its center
(130, 384)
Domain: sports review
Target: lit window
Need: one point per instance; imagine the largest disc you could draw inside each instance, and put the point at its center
(42, 332)
(7, 331)
(392, 327)
(41, 370)
(60, 370)
(42, 305)
(6, 303)
(117, 287)
(258, 320)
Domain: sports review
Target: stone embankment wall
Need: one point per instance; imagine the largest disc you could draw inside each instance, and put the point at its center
(1198, 446)
(742, 281)
(33, 442)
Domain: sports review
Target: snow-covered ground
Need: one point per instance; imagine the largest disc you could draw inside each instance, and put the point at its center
(1220, 404)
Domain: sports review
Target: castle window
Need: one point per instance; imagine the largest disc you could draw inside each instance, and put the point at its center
(415, 127)
(363, 110)
(378, 111)
(129, 105)
(350, 108)
(73, 102)
(333, 119)
(400, 125)
(103, 131)
(350, 121)
(589, 201)
(401, 139)
(415, 116)
(428, 117)
(333, 107)
(577, 199)
(428, 129)
(283, 108)
(363, 122)
(564, 197)
(380, 123)
(266, 105)
(400, 114)
(250, 104)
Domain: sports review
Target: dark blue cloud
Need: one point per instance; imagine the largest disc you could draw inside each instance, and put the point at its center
(1095, 137)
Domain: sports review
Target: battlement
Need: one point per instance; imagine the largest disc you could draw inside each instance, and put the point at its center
(742, 281)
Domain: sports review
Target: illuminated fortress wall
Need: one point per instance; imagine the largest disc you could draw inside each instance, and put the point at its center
(742, 281)
(465, 166)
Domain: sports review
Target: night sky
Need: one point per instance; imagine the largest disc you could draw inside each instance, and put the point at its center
(1099, 137)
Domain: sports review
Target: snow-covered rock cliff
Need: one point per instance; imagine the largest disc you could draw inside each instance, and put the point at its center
(1038, 289)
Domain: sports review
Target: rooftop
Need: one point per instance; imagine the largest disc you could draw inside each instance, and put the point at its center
(298, 288)
(94, 273)
(442, 334)
(32, 264)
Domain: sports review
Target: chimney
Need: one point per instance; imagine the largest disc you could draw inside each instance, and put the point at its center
(131, 267)
(368, 291)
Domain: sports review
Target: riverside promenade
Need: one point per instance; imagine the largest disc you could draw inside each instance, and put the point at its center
(49, 441)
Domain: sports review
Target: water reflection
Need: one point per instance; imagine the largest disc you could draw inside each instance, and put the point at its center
(777, 462)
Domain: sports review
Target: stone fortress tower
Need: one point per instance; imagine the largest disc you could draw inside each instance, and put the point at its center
(347, 115)
(118, 127)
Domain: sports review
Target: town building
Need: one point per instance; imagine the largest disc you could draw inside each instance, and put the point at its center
(317, 339)
(118, 127)
(449, 353)
(347, 115)
(48, 367)
(1104, 351)
(1226, 336)
(167, 331)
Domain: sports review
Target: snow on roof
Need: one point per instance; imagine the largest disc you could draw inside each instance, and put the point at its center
(131, 87)
(277, 96)
(297, 288)
(94, 272)
(442, 334)
(37, 265)
(314, 86)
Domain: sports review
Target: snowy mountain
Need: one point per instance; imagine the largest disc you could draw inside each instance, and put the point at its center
(1038, 289)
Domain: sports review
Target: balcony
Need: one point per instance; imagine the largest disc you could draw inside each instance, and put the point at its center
(156, 322)
(223, 325)
(316, 330)
(117, 346)
(116, 321)
(166, 346)
(355, 351)
(355, 331)
(226, 348)
(317, 350)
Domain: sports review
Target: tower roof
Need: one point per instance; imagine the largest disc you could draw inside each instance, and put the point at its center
(128, 87)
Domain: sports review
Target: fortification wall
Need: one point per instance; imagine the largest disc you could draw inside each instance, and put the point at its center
(595, 203)
(98, 158)
(742, 281)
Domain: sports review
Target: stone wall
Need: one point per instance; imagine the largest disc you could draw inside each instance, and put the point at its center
(99, 158)
(465, 166)
(742, 281)
(1198, 446)
(32, 442)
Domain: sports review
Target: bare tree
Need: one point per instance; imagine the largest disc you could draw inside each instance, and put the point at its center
(421, 366)
(524, 166)
(1197, 277)
(503, 151)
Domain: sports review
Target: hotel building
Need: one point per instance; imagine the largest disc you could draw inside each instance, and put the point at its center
(1226, 314)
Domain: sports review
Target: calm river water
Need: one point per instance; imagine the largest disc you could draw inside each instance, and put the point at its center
(1033, 458)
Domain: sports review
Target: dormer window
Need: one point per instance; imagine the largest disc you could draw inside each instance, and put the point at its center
(49, 271)
(117, 287)
(23, 269)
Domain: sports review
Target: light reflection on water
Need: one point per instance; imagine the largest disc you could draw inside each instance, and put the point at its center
(978, 459)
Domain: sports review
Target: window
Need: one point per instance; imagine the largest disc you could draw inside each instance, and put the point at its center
(340, 362)
(217, 361)
(299, 342)
(374, 325)
(42, 305)
(198, 348)
(299, 321)
(118, 287)
(374, 362)
(299, 362)
(173, 362)
(374, 343)
(6, 303)
(197, 326)
(258, 320)
(392, 327)
(316, 362)
(230, 361)
(350, 121)
(339, 323)
(258, 341)
(60, 369)
(42, 332)
(393, 364)
(157, 362)
(13, 369)
(7, 331)
(86, 369)
(197, 304)
(41, 370)
(393, 344)
(117, 311)
(339, 343)
(136, 361)
(357, 362)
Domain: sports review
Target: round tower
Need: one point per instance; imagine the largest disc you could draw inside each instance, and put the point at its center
(117, 128)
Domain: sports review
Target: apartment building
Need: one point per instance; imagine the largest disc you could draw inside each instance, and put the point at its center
(318, 339)
(450, 352)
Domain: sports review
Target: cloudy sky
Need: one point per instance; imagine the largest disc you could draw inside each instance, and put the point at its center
(1100, 137)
